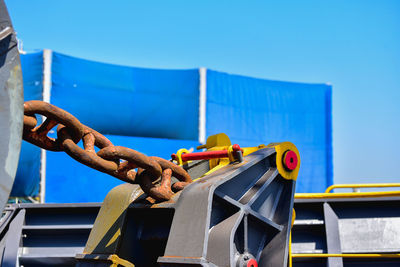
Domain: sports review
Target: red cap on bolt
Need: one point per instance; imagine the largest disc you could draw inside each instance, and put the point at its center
(236, 147)
(290, 160)
(252, 263)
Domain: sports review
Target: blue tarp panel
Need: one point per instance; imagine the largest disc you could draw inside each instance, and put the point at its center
(126, 100)
(145, 109)
(28, 173)
(255, 111)
(69, 181)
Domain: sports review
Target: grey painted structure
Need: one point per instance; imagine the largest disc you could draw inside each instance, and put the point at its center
(239, 213)
(353, 225)
(52, 234)
(11, 105)
(45, 234)
(225, 219)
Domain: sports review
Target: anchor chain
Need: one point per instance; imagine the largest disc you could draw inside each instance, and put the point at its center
(117, 161)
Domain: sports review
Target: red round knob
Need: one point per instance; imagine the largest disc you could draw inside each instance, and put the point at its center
(236, 147)
(252, 263)
(290, 160)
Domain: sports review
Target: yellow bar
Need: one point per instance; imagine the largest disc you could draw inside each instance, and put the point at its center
(323, 255)
(290, 238)
(347, 195)
(290, 249)
(330, 188)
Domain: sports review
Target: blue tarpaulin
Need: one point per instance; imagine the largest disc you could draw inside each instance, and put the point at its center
(255, 111)
(69, 181)
(27, 179)
(157, 112)
(126, 100)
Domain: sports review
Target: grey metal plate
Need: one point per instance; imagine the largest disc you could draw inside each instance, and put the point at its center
(11, 105)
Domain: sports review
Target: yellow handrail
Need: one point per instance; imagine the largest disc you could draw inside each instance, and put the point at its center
(347, 195)
(327, 255)
(327, 194)
(330, 188)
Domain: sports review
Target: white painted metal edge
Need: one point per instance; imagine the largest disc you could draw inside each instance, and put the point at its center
(47, 62)
(202, 104)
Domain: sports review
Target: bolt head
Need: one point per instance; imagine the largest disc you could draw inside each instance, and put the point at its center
(290, 160)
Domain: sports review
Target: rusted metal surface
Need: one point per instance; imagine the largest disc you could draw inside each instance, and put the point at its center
(38, 135)
(163, 191)
(116, 161)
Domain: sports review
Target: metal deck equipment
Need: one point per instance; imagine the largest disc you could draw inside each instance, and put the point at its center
(226, 206)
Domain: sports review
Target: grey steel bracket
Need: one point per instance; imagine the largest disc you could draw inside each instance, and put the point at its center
(232, 217)
(11, 241)
(332, 235)
(236, 214)
(5, 32)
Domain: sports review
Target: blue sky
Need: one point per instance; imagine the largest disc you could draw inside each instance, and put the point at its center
(354, 45)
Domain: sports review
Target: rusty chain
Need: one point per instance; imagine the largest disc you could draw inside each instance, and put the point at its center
(116, 161)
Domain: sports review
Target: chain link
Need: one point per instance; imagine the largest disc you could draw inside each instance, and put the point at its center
(116, 161)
